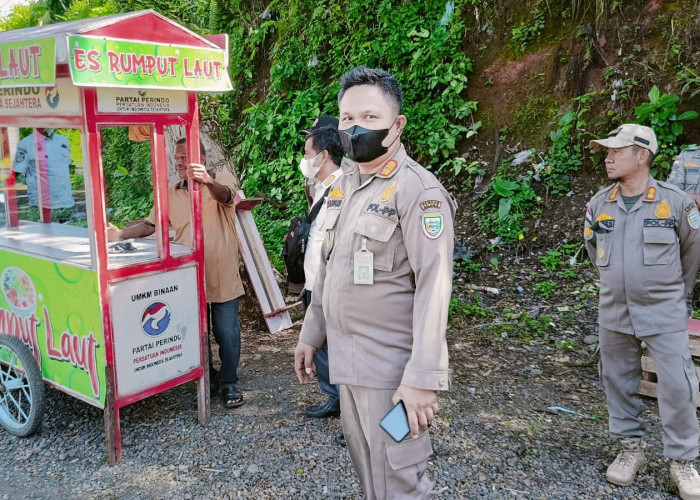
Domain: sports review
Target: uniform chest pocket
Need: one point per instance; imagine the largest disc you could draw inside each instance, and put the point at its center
(379, 232)
(692, 178)
(329, 228)
(659, 246)
(603, 248)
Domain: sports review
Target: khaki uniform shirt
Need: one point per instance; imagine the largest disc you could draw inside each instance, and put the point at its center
(312, 256)
(391, 332)
(685, 172)
(221, 261)
(647, 258)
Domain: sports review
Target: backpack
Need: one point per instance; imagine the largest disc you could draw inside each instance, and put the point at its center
(295, 240)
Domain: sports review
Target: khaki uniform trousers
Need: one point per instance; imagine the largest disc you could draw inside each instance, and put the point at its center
(386, 469)
(621, 371)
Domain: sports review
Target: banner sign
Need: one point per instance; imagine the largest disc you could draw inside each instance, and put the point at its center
(61, 100)
(104, 62)
(112, 100)
(156, 329)
(54, 309)
(28, 63)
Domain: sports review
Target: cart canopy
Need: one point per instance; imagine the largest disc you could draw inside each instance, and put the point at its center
(139, 49)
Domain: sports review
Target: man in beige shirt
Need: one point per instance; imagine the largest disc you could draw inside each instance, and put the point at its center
(383, 290)
(643, 236)
(221, 261)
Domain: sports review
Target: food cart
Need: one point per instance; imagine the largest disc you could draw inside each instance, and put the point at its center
(108, 325)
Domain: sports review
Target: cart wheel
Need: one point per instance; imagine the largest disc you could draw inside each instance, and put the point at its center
(21, 388)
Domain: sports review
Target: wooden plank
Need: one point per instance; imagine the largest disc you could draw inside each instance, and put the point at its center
(648, 387)
(260, 271)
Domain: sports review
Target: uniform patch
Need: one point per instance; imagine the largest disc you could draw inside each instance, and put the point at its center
(662, 210)
(690, 207)
(388, 169)
(690, 165)
(333, 203)
(613, 194)
(388, 193)
(670, 223)
(694, 219)
(381, 209)
(587, 232)
(336, 194)
(601, 253)
(609, 224)
(329, 181)
(430, 204)
(651, 194)
(603, 217)
(432, 224)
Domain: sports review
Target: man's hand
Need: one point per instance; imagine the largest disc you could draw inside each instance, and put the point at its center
(421, 406)
(113, 232)
(304, 365)
(198, 172)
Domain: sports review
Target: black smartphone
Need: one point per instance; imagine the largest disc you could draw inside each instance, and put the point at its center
(395, 423)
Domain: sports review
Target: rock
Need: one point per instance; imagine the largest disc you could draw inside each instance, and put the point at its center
(590, 339)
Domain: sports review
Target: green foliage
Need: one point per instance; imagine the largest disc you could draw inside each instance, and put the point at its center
(551, 260)
(566, 153)
(690, 80)
(527, 32)
(307, 47)
(661, 114)
(467, 266)
(545, 288)
(127, 171)
(504, 207)
(465, 309)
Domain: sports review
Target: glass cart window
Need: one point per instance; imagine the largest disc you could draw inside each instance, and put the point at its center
(43, 210)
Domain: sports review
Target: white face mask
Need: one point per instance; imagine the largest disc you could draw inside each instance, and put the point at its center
(307, 167)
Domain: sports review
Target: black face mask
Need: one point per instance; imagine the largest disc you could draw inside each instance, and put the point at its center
(363, 145)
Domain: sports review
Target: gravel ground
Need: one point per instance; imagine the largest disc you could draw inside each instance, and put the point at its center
(490, 439)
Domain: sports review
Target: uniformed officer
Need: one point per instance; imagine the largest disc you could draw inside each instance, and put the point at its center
(383, 290)
(643, 237)
(57, 152)
(685, 172)
(323, 154)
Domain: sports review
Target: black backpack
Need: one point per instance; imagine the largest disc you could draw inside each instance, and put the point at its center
(295, 241)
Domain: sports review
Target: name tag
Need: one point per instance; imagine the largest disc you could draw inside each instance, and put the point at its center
(669, 223)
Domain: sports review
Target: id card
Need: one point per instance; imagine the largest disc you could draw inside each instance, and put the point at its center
(364, 265)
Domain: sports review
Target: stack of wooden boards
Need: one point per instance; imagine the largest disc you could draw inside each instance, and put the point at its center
(647, 387)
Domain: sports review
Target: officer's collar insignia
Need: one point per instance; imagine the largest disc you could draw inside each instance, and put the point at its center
(328, 181)
(336, 194)
(613, 193)
(388, 193)
(604, 217)
(388, 169)
(651, 194)
(662, 210)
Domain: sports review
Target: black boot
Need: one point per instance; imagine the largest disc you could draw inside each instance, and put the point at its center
(330, 408)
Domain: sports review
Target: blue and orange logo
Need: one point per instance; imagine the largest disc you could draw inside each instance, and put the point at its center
(155, 319)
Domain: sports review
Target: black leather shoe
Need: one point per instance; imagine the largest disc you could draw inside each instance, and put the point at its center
(330, 408)
(341, 440)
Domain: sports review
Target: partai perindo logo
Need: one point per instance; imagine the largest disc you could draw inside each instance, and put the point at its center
(155, 319)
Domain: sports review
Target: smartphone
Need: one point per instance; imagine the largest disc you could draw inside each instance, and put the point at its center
(395, 423)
